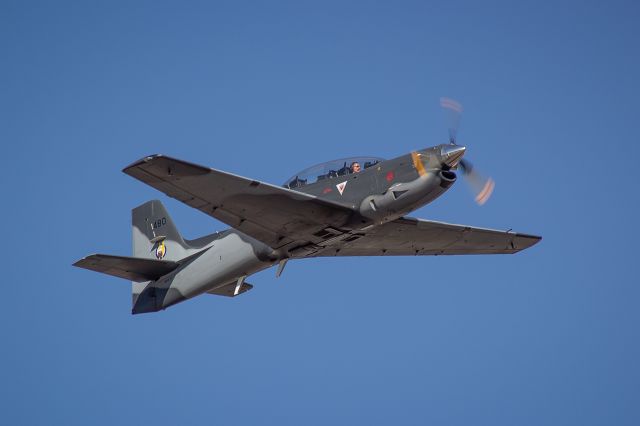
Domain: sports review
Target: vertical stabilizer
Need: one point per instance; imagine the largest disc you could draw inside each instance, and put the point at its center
(154, 234)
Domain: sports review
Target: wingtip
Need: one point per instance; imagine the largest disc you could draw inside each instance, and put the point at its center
(80, 262)
(141, 161)
(533, 237)
(526, 241)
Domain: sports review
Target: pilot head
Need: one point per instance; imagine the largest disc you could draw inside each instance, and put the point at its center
(355, 167)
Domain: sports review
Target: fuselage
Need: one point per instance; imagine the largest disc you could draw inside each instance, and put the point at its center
(389, 189)
(223, 261)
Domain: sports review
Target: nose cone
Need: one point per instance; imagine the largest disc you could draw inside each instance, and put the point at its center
(451, 154)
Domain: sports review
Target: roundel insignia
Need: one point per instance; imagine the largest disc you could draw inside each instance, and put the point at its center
(341, 186)
(161, 250)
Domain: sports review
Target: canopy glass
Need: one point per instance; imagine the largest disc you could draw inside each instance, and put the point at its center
(331, 170)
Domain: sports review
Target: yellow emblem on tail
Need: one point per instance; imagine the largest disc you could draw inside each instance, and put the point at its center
(161, 250)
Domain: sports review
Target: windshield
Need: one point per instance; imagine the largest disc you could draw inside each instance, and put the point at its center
(330, 170)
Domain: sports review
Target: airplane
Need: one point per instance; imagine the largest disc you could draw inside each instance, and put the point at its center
(349, 207)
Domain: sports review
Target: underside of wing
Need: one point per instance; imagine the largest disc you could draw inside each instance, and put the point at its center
(417, 237)
(279, 217)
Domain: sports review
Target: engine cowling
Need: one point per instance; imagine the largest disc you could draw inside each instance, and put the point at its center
(404, 197)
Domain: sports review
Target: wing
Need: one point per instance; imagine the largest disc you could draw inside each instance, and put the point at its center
(129, 268)
(409, 236)
(279, 217)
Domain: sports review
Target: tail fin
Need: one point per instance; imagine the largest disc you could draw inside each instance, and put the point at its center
(154, 234)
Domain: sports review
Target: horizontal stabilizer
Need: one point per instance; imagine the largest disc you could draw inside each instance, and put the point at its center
(229, 290)
(130, 268)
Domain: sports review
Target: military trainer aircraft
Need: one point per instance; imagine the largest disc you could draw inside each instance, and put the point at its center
(348, 207)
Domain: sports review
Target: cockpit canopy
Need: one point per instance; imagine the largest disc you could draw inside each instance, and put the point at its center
(330, 170)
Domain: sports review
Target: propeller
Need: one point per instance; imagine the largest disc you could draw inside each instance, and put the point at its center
(481, 186)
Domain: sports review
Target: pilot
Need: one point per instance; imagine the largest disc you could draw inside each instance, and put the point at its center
(355, 167)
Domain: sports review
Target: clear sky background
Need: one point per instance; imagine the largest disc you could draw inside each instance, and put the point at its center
(548, 336)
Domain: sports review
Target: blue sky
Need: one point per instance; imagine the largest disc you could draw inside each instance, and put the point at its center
(548, 336)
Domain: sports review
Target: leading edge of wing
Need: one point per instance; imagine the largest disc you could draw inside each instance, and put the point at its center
(182, 168)
(192, 166)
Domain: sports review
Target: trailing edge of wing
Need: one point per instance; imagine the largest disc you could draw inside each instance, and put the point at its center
(129, 268)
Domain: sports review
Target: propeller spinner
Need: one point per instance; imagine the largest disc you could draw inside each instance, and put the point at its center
(481, 186)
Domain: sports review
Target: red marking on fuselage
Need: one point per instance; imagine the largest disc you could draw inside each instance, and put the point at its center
(389, 176)
(326, 190)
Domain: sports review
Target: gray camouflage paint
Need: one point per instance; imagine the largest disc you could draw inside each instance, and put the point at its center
(377, 195)
(218, 259)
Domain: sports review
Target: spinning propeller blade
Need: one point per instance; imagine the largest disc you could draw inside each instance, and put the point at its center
(481, 186)
(453, 109)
